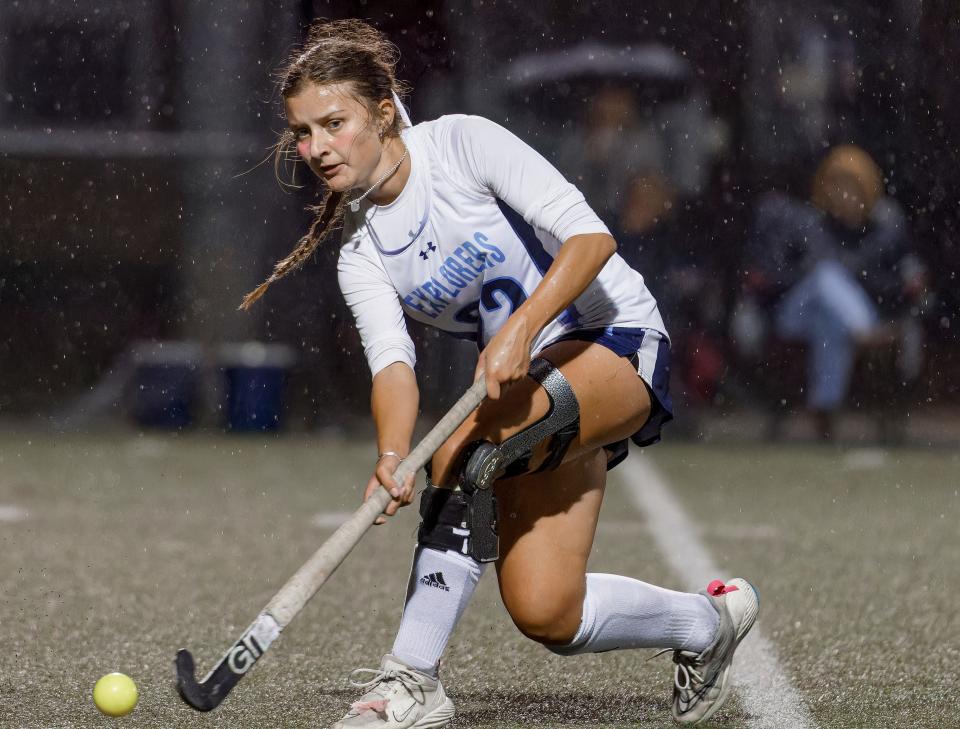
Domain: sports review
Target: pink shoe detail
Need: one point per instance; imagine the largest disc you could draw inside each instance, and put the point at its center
(717, 588)
(378, 707)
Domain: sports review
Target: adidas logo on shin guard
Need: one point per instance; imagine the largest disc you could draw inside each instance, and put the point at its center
(435, 579)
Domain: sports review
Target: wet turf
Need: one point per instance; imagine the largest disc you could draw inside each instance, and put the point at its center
(135, 546)
(857, 557)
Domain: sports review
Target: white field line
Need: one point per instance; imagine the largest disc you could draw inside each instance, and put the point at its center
(768, 696)
(11, 513)
(864, 459)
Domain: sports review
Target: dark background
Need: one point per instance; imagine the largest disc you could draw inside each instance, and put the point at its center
(134, 206)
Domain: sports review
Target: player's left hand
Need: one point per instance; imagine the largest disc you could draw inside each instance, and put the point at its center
(506, 359)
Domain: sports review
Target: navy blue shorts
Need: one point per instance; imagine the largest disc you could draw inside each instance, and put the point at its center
(649, 352)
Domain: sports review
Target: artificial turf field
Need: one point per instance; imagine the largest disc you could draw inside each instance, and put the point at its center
(116, 550)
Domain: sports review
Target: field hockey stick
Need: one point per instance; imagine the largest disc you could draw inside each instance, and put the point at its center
(286, 604)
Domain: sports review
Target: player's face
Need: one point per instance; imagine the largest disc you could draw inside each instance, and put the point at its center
(335, 135)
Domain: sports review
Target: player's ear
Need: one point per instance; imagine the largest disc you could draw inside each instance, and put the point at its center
(388, 113)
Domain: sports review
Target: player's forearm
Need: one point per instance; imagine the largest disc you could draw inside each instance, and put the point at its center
(579, 262)
(394, 401)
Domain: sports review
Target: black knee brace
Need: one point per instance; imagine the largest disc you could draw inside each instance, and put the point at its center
(561, 424)
(512, 457)
(466, 520)
(444, 522)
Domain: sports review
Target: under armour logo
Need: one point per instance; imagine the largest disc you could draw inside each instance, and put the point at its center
(430, 249)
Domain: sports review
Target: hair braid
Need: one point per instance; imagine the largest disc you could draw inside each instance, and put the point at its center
(327, 214)
(341, 51)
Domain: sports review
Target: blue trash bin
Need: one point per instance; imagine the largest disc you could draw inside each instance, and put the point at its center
(165, 385)
(255, 376)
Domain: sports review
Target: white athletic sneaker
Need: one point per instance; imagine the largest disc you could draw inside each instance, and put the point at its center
(701, 682)
(397, 697)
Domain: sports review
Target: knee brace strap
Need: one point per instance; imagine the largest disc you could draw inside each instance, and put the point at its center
(482, 462)
(561, 422)
(564, 410)
(444, 520)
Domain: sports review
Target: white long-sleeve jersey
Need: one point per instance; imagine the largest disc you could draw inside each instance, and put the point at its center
(469, 238)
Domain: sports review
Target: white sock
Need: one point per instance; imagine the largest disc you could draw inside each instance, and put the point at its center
(441, 585)
(620, 612)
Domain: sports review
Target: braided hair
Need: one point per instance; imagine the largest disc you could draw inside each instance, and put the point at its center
(349, 52)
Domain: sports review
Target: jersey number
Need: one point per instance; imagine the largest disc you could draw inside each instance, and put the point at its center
(508, 287)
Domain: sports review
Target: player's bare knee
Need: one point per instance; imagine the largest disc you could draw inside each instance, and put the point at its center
(441, 465)
(444, 466)
(448, 460)
(545, 620)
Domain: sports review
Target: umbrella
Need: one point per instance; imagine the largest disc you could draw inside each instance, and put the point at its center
(646, 62)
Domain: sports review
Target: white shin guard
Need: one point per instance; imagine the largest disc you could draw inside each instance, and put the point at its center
(441, 585)
(620, 612)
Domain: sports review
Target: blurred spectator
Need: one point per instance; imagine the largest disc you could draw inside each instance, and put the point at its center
(606, 153)
(837, 274)
(656, 236)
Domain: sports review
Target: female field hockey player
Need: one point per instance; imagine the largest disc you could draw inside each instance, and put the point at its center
(460, 225)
